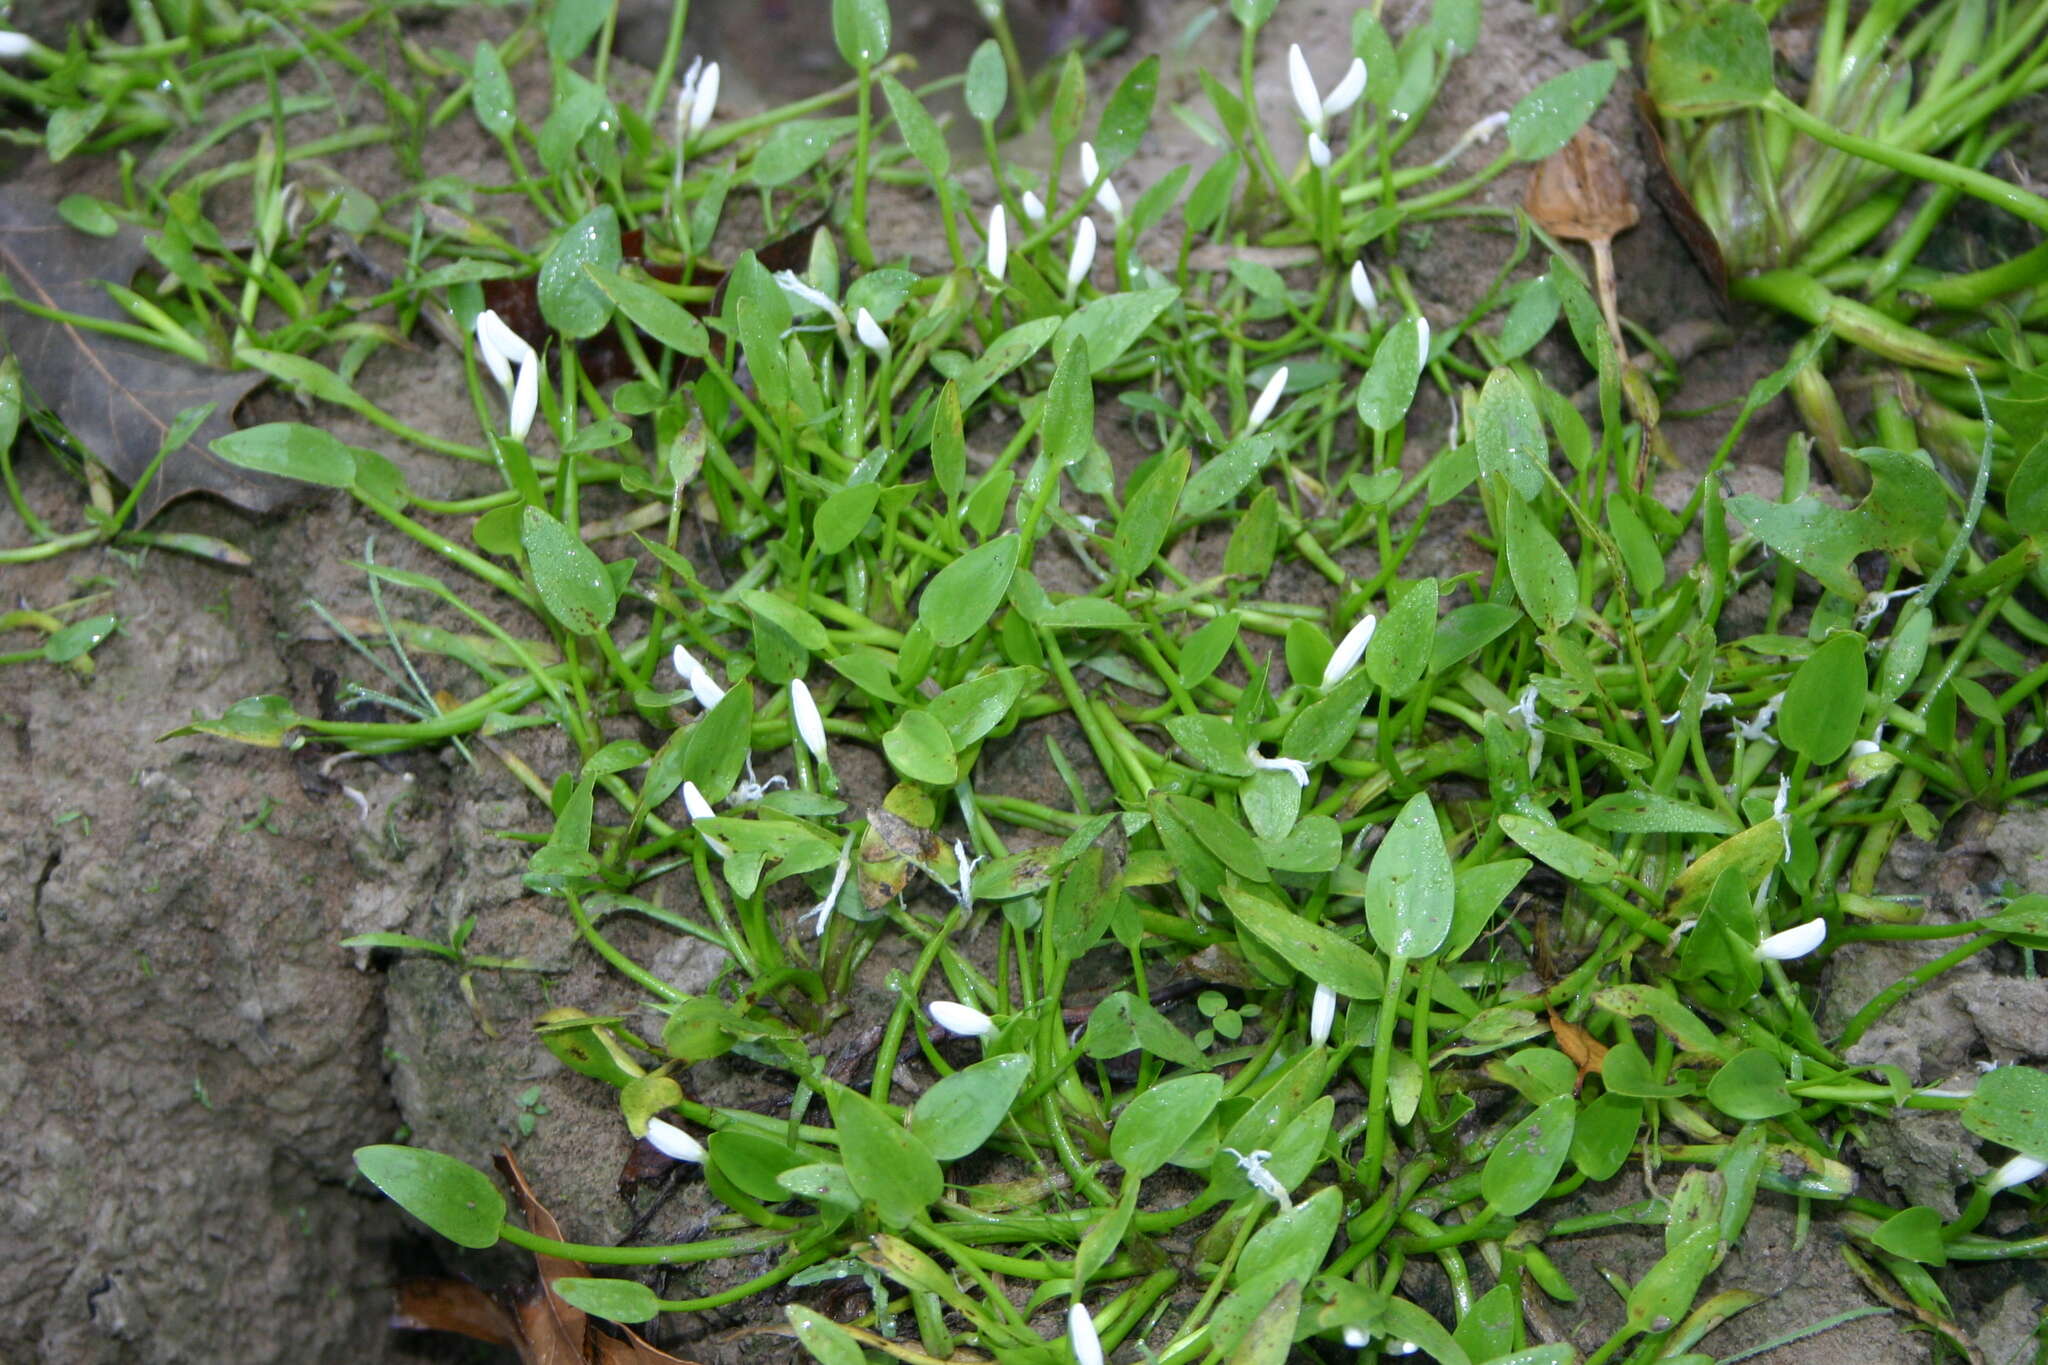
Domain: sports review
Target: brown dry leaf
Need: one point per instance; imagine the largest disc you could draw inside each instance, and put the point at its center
(1586, 1051)
(1580, 191)
(1677, 205)
(453, 1306)
(118, 397)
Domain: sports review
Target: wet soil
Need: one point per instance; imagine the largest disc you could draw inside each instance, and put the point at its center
(189, 1057)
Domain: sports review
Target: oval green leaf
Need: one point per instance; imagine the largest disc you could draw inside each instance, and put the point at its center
(1527, 1161)
(1409, 892)
(571, 578)
(956, 1115)
(1159, 1122)
(452, 1197)
(963, 595)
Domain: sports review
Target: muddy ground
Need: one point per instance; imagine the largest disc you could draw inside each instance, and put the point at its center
(189, 1057)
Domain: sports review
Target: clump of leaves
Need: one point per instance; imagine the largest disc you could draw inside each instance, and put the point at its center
(1423, 899)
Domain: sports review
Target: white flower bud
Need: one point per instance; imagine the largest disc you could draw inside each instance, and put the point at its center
(1348, 89)
(963, 1020)
(695, 804)
(1357, 1338)
(998, 243)
(15, 44)
(1322, 1013)
(525, 398)
(700, 809)
(1083, 259)
(705, 101)
(1081, 1336)
(1034, 207)
(870, 333)
(1268, 399)
(686, 95)
(1318, 152)
(697, 678)
(1795, 942)
(1349, 650)
(1308, 101)
(2017, 1171)
(803, 712)
(673, 1143)
(1106, 198)
(1362, 290)
(497, 345)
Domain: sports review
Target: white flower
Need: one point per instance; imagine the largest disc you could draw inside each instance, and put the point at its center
(870, 333)
(673, 1143)
(796, 286)
(1081, 1336)
(967, 866)
(752, 789)
(1083, 258)
(700, 809)
(1316, 112)
(998, 243)
(963, 1020)
(1349, 650)
(1268, 399)
(697, 678)
(1034, 207)
(1479, 132)
(1318, 152)
(803, 712)
(516, 367)
(525, 400)
(1754, 730)
(1106, 198)
(1348, 89)
(1525, 706)
(704, 101)
(1875, 605)
(1781, 811)
(1308, 101)
(1292, 766)
(15, 44)
(501, 349)
(1795, 942)
(1322, 1012)
(1253, 1164)
(823, 909)
(1357, 1338)
(1362, 290)
(2017, 1171)
(1713, 701)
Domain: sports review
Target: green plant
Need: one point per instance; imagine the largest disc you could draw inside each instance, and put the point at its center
(1515, 874)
